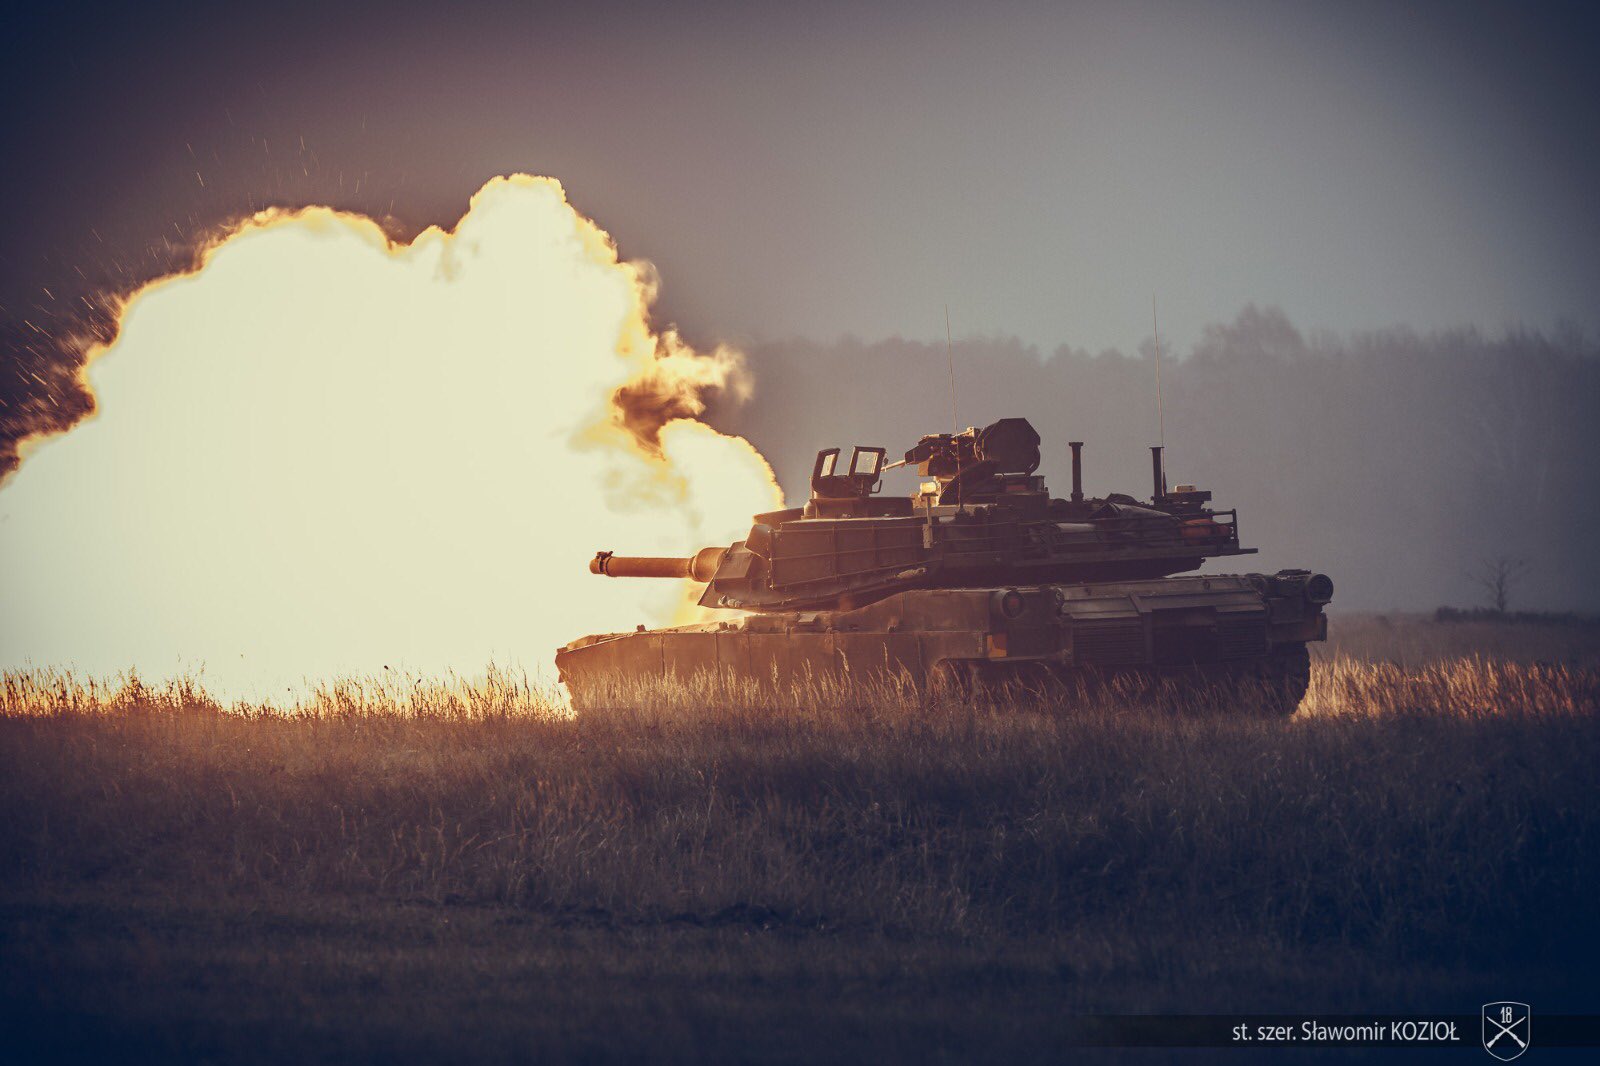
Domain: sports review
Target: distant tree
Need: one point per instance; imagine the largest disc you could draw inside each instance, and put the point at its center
(1496, 575)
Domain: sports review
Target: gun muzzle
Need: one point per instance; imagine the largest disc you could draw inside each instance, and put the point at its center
(700, 566)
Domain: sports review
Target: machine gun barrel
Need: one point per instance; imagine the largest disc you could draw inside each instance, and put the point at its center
(699, 566)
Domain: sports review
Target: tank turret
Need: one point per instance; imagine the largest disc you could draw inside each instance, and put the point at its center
(985, 517)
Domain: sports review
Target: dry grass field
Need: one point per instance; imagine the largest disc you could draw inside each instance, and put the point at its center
(408, 871)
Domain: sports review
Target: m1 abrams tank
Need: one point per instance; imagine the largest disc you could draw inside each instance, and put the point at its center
(979, 579)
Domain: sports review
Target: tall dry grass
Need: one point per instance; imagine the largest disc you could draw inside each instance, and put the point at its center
(1399, 807)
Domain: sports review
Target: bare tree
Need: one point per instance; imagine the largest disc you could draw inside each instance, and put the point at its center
(1496, 575)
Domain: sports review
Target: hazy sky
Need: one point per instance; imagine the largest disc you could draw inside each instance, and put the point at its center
(791, 170)
(814, 169)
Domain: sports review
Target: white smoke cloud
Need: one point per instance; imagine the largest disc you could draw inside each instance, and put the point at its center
(322, 454)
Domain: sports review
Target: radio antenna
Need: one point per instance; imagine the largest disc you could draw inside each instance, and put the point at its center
(950, 353)
(1161, 414)
(955, 426)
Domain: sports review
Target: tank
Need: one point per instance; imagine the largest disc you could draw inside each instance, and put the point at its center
(980, 578)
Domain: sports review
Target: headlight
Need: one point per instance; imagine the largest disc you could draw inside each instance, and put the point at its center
(1319, 588)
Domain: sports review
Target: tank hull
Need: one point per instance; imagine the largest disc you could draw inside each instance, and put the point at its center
(1199, 628)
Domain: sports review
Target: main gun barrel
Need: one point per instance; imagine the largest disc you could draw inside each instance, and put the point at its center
(699, 566)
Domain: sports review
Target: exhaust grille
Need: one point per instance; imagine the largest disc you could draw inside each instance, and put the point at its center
(1242, 639)
(1109, 643)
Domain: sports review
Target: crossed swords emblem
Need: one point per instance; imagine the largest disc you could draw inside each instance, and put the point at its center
(1503, 1017)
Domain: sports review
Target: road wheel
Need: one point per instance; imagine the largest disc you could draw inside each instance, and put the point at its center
(1286, 674)
(1006, 684)
(951, 679)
